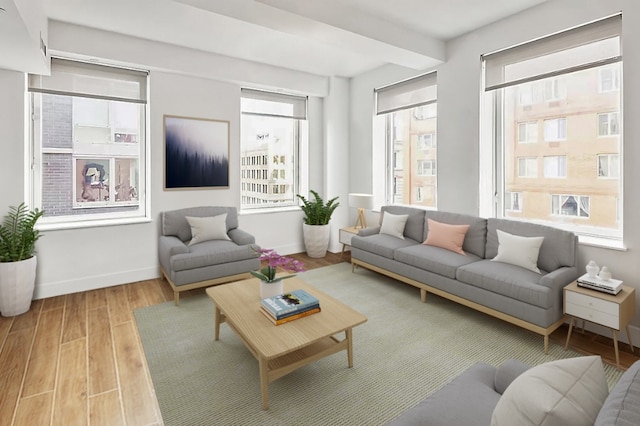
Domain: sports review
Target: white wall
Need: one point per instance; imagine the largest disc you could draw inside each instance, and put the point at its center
(75, 260)
(459, 88)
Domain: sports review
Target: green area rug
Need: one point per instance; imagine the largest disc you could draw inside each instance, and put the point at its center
(405, 352)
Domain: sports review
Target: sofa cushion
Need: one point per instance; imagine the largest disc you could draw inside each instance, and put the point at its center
(519, 251)
(434, 259)
(621, 406)
(414, 227)
(559, 247)
(174, 222)
(475, 239)
(381, 244)
(468, 399)
(393, 224)
(208, 228)
(508, 280)
(565, 392)
(209, 253)
(446, 236)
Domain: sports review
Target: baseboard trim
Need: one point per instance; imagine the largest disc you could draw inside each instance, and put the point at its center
(94, 282)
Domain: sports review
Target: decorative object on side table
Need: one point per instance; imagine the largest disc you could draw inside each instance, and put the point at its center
(362, 202)
(271, 285)
(315, 229)
(592, 269)
(18, 262)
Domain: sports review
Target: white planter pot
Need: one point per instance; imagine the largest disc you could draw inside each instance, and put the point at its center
(316, 239)
(17, 282)
(270, 289)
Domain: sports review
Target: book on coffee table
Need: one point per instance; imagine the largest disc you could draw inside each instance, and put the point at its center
(289, 303)
(291, 317)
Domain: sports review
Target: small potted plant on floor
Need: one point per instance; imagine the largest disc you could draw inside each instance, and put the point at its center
(18, 262)
(316, 229)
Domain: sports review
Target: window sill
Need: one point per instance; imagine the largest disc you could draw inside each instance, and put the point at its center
(268, 210)
(92, 223)
(604, 243)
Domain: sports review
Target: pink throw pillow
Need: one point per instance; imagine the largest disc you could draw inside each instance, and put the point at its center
(450, 237)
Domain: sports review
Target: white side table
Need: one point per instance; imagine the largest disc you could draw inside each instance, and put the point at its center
(613, 312)
(346, 234)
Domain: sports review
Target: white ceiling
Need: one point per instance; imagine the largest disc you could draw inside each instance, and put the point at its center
(325, 37)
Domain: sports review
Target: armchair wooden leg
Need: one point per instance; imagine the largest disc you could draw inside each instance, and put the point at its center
(176, 298)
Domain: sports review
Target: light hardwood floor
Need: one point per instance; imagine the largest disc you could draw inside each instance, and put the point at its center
(77, 359)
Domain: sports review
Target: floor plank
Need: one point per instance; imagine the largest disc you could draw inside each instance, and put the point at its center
(75, 317)
(28, 319)
(119, 309)
(43, 364)
(102, 368)
(96, 298)
(35, 410)
(13, 363)
(137, 396)
(70, 404)
(105, 409)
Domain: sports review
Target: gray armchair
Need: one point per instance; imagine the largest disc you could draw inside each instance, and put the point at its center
(189, 263)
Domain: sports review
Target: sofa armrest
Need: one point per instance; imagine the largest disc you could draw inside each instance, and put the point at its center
(240, 237)
(507, 373)
(365, 232)
(168, 246)
(560, 277)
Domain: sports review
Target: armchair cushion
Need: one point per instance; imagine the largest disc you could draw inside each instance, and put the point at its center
(208, 228)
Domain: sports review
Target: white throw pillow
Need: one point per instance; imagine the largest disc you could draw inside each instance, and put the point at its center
(565, 392)
(208, 228)
(393, 224)
(519, 251)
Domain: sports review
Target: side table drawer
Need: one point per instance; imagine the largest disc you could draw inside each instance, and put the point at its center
(594, 303)
(345, 237)
(602, 318)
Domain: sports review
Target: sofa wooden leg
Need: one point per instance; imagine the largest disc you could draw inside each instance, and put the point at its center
(423, 295)
(546, 345)
(176, 298)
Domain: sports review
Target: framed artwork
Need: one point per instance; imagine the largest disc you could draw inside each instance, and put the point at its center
(196, 153)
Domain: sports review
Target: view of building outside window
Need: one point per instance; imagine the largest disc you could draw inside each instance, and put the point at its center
(269, 147)
(562, 157)
(411, 140)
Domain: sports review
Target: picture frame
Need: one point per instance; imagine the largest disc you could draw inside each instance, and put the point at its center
(196, 153)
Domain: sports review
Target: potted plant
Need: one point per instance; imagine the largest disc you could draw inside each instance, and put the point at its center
(18, 262)
(270, 284)
(315, 229)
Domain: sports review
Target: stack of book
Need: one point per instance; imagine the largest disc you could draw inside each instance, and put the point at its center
(289, 306)
(610, 286)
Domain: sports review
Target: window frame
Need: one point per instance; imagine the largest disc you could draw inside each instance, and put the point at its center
(97, 213)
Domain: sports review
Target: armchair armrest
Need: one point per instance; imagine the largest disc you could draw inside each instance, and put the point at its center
(168, 246)
(240, 237)
(365, 232)
(507, 373)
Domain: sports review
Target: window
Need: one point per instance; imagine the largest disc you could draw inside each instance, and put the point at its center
(513, 201)
(554, 90)
(608, 124)
(555, 166)
(426, 168)
(609, 80)
(528, 167)
(408, 110)
(555, 129)
(570, 205)
(88, 140)
(609, 166)
(272, 126)
(582, 67)
(426, 141)
(528, 132)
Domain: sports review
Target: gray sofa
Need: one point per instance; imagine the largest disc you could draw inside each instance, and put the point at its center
(204, 264)
(525, 298)
(470, 398)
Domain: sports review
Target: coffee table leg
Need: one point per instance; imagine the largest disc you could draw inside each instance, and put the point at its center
(349, 336)
(263, 364)
(216, 323)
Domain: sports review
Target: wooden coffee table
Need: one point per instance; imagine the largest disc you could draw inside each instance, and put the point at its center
(281, 349)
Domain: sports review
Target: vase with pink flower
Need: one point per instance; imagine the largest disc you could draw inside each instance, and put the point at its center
(270, 282)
